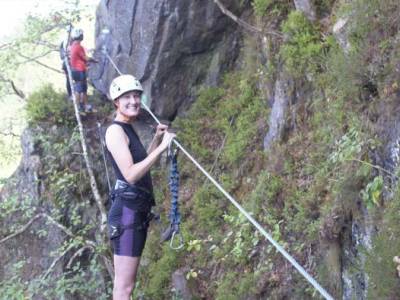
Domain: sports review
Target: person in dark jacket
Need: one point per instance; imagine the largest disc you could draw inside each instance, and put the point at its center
(63, 54)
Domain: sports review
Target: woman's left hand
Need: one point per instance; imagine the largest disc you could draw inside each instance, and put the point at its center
(160, 130)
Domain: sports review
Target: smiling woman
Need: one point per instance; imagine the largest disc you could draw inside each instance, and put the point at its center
(133, 193)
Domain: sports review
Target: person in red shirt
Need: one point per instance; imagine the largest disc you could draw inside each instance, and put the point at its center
(79, 61)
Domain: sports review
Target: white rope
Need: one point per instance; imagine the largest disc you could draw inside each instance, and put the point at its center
(112, 62)
(302, 271)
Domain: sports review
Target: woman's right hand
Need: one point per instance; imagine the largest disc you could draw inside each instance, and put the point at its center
(167, 139)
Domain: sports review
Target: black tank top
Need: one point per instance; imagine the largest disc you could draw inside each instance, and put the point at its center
(138, 153)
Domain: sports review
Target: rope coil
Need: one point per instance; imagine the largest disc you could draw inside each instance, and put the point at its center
(174, 216)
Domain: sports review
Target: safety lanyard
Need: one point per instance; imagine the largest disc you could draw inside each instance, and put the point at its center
(174, 216)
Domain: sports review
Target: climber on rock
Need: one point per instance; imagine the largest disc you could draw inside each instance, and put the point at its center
(79, 61)
(132, 196)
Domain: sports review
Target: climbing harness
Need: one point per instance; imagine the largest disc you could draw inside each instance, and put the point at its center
(129, 191)
(268, 236)
(116, 230)
(173, 231)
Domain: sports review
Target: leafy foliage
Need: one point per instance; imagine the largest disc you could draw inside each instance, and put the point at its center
(302, 50)
(373, 192)
(46, 105)
(260, 6)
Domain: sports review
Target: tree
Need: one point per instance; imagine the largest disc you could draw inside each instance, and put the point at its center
(38, 40)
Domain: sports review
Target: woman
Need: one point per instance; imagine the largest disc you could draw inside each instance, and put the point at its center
(133, 194)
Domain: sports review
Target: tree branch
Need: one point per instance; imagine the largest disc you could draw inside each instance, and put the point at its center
(39, 63)
(52, 220)
(373, 166)
(29, 59)
(88, 244)
(9, 133)
(78, 253)
(16, 90)
(244, 24)
(5, 46)
(47, 44)
(55, 261)
(22, 229)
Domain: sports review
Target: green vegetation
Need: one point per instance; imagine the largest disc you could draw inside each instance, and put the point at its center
(302, 51)
(381, 270)
(260, 6)
(270, 8)
(66, 194)
(46, 105)
(308, 190)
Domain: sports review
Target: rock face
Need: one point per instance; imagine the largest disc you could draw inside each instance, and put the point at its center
(25, 190)
(172, 46)
(307, 8)
(340, 31)
(180, 284)
(283, 97)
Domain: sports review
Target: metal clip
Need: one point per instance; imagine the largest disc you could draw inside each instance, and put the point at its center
(171, 243)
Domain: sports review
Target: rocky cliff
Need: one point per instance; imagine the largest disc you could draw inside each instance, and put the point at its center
(172, 47)
(297, 119)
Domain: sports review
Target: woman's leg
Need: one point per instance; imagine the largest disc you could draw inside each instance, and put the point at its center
(126, 268)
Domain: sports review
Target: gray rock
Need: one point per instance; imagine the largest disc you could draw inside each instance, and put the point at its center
(180, 284)
(341, 34)
(280, 109)
(171, 46)
(307, 7)
(24, 187)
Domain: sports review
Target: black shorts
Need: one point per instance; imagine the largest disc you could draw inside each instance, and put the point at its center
(127, 228)
(80, 81)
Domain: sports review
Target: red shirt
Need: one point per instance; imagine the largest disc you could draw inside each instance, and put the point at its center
(78, 56)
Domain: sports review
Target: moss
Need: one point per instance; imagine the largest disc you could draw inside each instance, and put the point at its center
(384, 282)
(207, 208)
(233, 287)
(159, 274)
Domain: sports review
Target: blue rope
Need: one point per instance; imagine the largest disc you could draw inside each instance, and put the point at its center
(174, 216)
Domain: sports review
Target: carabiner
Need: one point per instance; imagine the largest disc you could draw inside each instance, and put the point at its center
(176, 233)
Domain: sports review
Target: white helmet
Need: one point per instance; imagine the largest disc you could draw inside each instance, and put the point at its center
(76, 33)
(123, 84)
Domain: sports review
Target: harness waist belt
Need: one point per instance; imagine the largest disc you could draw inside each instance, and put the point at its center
(127, 190)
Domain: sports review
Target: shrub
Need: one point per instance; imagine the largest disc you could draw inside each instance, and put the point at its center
(260, 6)
(302, 50)
(47, 105)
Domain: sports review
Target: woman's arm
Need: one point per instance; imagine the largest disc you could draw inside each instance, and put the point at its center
(118, 144)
